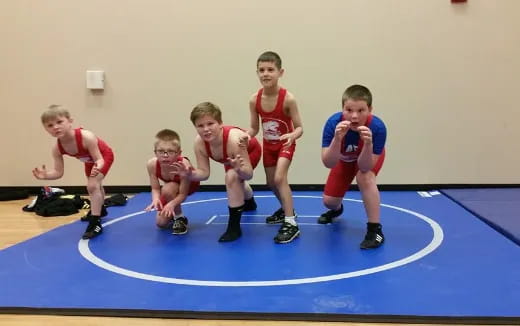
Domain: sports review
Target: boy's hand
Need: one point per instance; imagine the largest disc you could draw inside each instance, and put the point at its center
(289, 139)
(40, 174)
(365, 134)
(236, 162)
(342, 129)
(167, 210)
(181, 169)
(95, 170)
(156, 204)
(243, 141)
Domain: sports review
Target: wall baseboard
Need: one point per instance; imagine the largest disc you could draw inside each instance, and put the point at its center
(296, 187)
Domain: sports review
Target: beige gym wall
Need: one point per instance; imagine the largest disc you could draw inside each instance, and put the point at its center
(445, 79)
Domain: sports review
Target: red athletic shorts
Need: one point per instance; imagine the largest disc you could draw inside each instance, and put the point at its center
(194, 185)
(272, 152)
(341, 176)
(255, 153)
(108, 157)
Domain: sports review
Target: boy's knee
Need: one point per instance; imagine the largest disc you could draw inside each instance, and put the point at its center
(162, 224)
(280, 180)
(365, 179)
(332, 202)
(168, 194)
(232, 177)
(93, 186)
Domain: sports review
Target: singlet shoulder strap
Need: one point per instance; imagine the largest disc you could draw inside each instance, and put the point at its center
(281, 98)
(258, 104)
(60, 147)
(208, 148)
(225, 137)
(79, 140)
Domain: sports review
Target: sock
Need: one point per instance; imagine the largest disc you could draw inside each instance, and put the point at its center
(291, 220)
(94, 219)
(175, 217)
(374, 227)
(233, 230)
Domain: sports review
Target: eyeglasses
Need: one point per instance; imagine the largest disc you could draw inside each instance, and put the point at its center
(162, 152)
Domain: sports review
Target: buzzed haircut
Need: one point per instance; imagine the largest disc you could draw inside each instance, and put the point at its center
(270, 56)
(357, 93)
(168, 135)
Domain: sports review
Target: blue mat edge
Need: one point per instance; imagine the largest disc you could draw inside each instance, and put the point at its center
(495, 226)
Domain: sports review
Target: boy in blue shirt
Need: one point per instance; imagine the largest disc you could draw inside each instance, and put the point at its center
(353, 145)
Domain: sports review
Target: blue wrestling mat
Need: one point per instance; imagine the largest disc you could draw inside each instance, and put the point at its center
(439, 263)
(498, 207)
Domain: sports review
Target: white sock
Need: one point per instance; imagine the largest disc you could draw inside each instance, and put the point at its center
(291, 220)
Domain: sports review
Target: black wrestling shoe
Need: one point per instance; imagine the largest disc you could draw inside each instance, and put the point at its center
(277, 217)
(180, 225)
(374, 238)
(94, 229)
(87, 216)
(330, 215)
(250, 205)
(287, 233)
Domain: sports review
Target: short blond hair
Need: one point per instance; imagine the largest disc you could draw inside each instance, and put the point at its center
(206, 108)
(54, 112)
(168, 135)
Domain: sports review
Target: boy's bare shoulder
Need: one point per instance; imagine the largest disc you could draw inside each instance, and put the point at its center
(198, 145)
(86, 132)
(289, 97)
(88, 135)
(236, 133)
(252, 98)
(151, 162)
(198, 140)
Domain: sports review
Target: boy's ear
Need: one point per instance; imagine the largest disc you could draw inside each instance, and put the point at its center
(370, 108)
(281, 72)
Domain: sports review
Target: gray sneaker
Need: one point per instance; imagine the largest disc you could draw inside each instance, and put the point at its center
(180, 225)
(287, 233)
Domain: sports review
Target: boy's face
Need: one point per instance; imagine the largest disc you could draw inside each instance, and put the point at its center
(208, 128)
(357, 112)
(167, 152)
(58, 127)
(268, 73)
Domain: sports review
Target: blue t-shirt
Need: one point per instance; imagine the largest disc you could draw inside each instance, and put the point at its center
(351, 143)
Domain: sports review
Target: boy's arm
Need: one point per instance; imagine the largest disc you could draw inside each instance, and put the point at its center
(238, 155)
(254, 120)
(154, 185)
(367, 159)
(293, 112)
(330, 155)
(56, 173)
(184, 188)
(201, 172)
(91, 144)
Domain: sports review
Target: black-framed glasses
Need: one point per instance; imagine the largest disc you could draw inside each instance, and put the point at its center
(162, 152)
